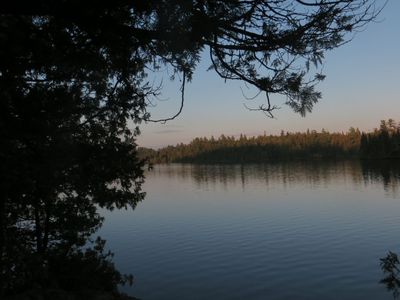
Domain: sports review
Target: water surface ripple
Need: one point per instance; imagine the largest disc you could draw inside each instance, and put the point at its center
(272, 231)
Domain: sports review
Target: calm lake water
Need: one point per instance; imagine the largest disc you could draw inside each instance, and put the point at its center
(303, 230)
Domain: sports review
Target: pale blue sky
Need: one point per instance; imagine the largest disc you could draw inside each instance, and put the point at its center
(361, 88)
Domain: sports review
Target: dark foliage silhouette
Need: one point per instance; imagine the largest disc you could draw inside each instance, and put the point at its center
(271, 45)
(383, 142)
(73, 73)
(390, 267)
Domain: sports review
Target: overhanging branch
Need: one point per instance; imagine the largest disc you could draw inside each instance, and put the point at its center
(163, 121)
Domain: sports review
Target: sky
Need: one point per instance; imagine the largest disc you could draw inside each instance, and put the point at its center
(361, 88)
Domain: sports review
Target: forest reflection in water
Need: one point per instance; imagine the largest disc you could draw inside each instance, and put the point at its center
(306, 173)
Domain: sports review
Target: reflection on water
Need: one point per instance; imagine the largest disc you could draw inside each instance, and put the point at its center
(303, 230)
(307, 173)
(386, 172)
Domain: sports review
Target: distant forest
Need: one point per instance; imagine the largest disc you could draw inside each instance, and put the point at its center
(382, 143)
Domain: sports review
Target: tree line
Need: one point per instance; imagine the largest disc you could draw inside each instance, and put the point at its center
(382, 142)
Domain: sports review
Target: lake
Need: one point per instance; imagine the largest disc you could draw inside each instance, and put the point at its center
(295, 230)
